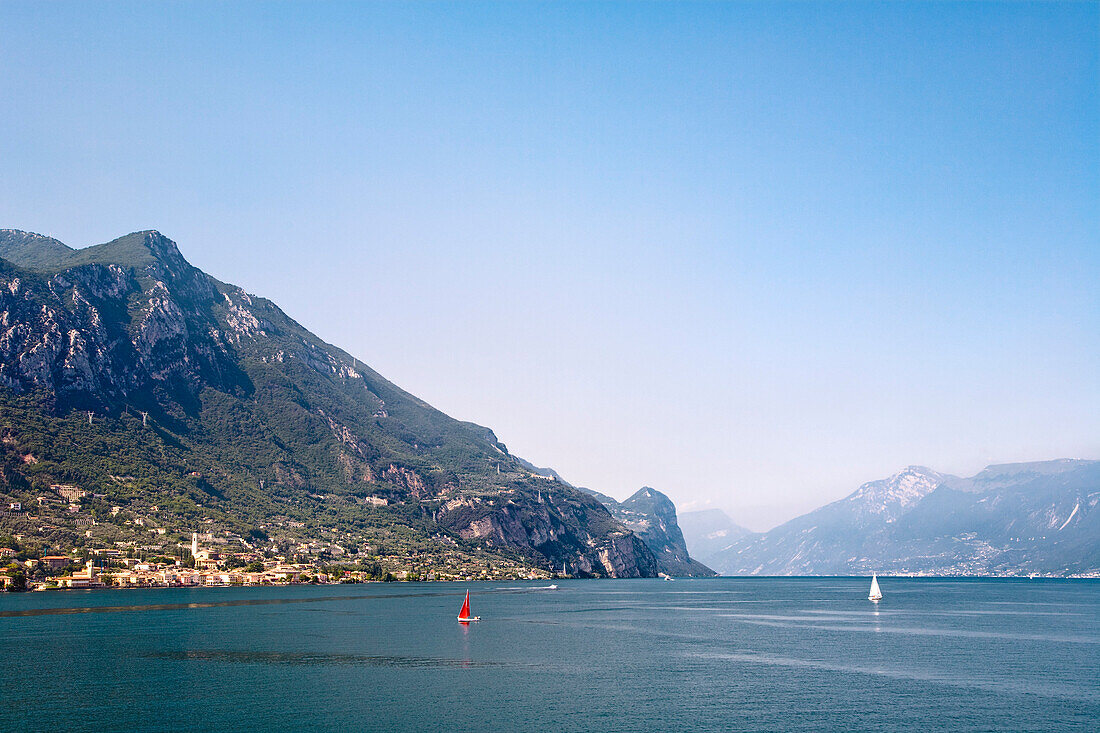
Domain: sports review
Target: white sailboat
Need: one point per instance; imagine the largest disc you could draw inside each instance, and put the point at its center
(876, 593)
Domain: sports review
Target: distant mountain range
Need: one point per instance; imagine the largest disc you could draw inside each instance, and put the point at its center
(176, 401)
(1010, 519)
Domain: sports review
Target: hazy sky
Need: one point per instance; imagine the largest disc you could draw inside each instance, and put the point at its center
(748, 254)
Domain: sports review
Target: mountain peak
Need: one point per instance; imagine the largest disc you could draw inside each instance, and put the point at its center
(891, 496)
(649, 499)
(915, 470)
(137, 249)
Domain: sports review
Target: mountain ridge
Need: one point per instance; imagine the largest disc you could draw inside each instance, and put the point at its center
(249, 419)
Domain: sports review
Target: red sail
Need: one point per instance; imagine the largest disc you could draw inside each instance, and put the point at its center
(465, 612)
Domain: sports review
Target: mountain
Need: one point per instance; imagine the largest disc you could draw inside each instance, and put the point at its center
(652, 516)
(176, 401)
(1008, 519)
(709, 531)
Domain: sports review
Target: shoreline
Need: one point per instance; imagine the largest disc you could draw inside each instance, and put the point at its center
(128, 587)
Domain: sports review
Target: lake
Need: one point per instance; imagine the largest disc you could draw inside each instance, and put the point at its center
(621, 655)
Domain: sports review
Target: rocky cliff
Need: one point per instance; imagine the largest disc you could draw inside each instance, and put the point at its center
(652, 516)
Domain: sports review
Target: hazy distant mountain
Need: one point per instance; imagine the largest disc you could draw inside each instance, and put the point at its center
(251, 420)
(1009, 519)
(708, 532)
(652, 516)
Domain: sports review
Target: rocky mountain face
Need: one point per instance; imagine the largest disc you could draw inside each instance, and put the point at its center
(95, 333)
(709, 531)
(128, 371)
(562, 525)
(1009, 519)
(652, 516)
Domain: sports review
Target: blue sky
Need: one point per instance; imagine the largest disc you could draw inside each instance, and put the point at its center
(750, 254)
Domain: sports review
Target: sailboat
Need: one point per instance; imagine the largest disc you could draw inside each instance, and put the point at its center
(464, 615)
(876, 593)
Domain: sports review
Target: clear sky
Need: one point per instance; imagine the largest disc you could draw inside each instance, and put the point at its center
(750, 254)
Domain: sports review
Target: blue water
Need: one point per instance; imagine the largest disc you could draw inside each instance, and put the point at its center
(691, 655)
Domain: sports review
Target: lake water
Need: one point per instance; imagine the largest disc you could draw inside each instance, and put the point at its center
(625, 655)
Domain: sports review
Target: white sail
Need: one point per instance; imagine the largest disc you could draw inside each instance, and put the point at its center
(875, 594)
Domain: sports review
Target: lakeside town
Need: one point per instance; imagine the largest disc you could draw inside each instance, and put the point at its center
(67, 538)
(109, 567)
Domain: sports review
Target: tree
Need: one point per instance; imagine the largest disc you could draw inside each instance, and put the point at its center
(18, 579)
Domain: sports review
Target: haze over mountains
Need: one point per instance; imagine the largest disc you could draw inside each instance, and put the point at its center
(1009, 519)
(187, 402)
(708, 531)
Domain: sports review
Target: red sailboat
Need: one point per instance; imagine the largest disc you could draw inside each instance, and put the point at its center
(464, 615)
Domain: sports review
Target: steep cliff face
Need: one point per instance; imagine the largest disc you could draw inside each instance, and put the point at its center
(571, 529)
(652, 516)
(274, 420)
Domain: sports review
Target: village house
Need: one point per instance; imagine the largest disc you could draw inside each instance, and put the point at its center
(56, 562)
(286, 573)
(69, 493)
(221, 578)
(85, 578)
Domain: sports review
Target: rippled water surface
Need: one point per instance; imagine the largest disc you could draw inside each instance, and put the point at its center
(627, 655)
